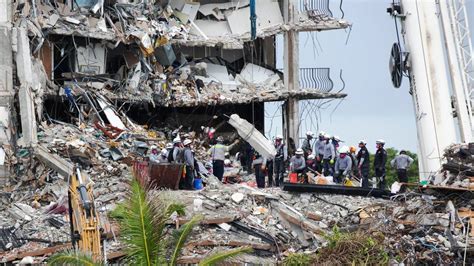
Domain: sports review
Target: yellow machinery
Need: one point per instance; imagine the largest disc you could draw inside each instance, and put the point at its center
(83, 217)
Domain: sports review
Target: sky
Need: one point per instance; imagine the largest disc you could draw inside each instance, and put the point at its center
(373, 109)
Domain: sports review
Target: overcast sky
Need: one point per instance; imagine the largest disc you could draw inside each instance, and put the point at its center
(373, 109)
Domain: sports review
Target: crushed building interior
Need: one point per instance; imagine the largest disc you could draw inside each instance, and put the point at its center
(95, 83)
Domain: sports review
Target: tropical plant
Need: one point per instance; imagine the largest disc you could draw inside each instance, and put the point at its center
(142, 218)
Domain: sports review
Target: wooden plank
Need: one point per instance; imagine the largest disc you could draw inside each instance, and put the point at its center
(38, 252)
(471, 221)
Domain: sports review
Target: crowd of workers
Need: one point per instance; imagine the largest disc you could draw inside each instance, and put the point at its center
(325, 155)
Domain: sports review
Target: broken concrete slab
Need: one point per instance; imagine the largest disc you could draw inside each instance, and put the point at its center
(54, 161)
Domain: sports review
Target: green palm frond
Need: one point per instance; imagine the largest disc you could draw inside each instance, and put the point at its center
(181, 238)
(72, 257)
(137, 227)
(221, 256)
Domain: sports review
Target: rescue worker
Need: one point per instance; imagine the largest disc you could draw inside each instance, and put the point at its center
(311, 162)
(363, 163)
(343, 165)
(318, 151)
(402, 162)
(380, 160)
(279, 161)
(336, 141)
(177, 147)
(306, 147)
(154, 156)
(189, 162)
(352, 154)
(163, 156)
(217, 153)
(259, 163)
(328, 156)
(298, 164)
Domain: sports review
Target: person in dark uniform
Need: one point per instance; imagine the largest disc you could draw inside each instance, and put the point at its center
(279, 161)
(363, 163)
(379, 163)
(259, 164)
(306, 146)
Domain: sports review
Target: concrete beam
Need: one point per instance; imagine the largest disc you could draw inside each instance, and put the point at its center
(54, 161)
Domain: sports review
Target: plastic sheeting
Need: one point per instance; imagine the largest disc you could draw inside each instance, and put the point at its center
(250, 134)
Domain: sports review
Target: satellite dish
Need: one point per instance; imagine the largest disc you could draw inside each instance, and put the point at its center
(395, 65)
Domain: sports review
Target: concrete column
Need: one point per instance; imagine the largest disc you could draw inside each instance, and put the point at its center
(291, 68)
(6, 81)
(25, 76)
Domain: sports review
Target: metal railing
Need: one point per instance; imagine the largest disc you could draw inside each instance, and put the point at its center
(316, 78)
(319, 8)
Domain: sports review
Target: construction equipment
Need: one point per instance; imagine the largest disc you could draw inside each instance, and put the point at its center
(436, 55)
(84, 220)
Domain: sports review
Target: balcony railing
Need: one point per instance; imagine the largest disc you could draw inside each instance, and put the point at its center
(318, 8)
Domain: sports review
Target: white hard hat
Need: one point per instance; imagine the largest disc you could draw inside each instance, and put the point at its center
(311, 157)
(309, 133)
(338, 139)
(164, 151)
(279, 137)
(322, 133)
(344, 149)
(327, 136)
(220, 139)
(363, 142)
(299, 151)
(153, 147)
(227, 162)
(187, 142)
(169, 145)
(177, 140)
(380, 141)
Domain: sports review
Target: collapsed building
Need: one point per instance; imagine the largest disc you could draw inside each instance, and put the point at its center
(94, 82)
(178, 62)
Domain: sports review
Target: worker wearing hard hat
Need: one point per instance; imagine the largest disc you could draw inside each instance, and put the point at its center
(402, 162)
(318, 151)
(279, 161)
(217, 153)
(163, 155)
(187, 183)
(328, 156)
(154, 155)
(380, 160)
(343, 165)
(363, 163)
(298, 164)
(306, 146)
(176, 153)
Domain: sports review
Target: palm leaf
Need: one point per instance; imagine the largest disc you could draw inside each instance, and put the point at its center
(162, 208)
(137, 227)
(221, 256)
(181, 238)
(72, 257)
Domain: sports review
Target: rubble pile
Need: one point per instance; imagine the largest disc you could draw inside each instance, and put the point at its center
(458, 170)
(276, 223)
